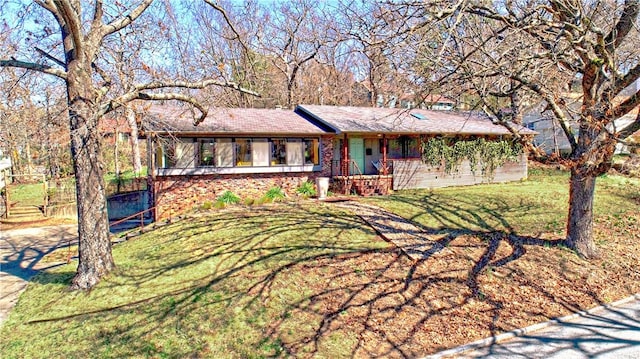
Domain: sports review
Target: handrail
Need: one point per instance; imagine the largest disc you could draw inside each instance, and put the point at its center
(352, 166)
(141, 214)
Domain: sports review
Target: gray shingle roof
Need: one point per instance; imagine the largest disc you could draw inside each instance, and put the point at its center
(226, 121)
(318, 120)
(404, 121)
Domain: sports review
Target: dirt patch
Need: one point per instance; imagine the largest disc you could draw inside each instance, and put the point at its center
(476, 286)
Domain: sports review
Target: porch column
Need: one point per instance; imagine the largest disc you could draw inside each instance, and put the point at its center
(385, 169)
(345, 156)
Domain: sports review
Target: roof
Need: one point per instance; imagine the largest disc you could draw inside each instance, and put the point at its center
(403, 121)
(438, 98)
(225, 121)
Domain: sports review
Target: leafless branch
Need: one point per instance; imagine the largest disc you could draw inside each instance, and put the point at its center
(50, 57)
(119, 24)
(35, 67)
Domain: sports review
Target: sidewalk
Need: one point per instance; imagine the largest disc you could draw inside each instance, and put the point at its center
(20, 253)
(610, 331)
(413, 241)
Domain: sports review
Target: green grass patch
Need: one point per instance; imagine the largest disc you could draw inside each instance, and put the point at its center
(530, 207)
(204, 287)
(125, 175)
(283, 280)
(28, 194)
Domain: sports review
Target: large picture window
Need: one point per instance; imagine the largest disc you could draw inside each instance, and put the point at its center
(279, 151)
(403, 147)
(294, 152)
(176, 154)
(238, 152)
(311, 152)
(243, 152)
(207, 153)
(224, 152)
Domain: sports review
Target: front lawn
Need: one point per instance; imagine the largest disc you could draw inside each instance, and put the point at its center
(311, 280)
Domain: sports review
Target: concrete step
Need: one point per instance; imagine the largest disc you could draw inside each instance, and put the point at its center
(25, 211)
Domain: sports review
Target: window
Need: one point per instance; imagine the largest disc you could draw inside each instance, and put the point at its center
(238, 152)
(224, 152)
(294, 152)
(178, 154)
(243, 152)
(207, 153)
(311, 151)
(278, 152)
(403, 147)
(260, 152)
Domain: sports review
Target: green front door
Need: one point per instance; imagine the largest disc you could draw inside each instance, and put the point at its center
(356, 154)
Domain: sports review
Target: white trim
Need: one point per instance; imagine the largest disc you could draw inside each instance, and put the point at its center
(235, 170)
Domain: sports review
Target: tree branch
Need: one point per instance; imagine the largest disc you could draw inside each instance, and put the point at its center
(72, 21)
(119, 24)
(138, 93)
(623, 26)
(193, 85)
(50, 57)
(179, 97)
(34, 67)
(219, 8)
(553, 105)
(625, 106)
(626, 80)
(632, 128)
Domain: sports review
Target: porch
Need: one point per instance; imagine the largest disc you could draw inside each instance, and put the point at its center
(348, 178)
(362, 185)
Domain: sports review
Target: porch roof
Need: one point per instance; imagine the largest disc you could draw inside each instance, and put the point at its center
(403, 121)
(228, 121)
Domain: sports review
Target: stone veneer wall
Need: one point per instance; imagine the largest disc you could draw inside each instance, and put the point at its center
(177, 194)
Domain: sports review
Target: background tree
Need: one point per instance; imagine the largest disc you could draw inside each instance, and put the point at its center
(507, 50)
(75, 36)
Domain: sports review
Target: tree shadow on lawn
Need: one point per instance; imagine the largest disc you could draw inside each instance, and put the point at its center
(324, 290)
(23, 251)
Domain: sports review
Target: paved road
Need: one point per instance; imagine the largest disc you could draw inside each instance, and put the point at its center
(607, 333)
(20, 253)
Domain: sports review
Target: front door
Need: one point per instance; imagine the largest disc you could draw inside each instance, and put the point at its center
(356, 153)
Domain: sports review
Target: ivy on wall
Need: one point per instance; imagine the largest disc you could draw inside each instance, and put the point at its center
(483, 154)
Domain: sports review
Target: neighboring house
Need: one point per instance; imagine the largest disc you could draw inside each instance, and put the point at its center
(249, 151)
(439, 103)
(115, 128)
(551, 138)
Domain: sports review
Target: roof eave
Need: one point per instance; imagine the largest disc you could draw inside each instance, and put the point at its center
(313, 117)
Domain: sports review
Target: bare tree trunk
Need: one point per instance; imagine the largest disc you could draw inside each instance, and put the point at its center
(95, 259)
(116, 155)
(580, 222)
(135, 144)
(27, 150)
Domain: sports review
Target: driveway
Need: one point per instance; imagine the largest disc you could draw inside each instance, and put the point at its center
(607, 332)
(20, 253)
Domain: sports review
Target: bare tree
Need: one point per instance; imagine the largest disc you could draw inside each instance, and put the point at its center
(506, 51)
(75, 59)
(292, 37)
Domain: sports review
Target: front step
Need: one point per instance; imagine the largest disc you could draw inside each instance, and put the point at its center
(25, 211)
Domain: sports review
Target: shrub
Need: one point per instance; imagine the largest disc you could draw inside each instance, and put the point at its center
(249, 201)
(275, 194)
(228, 197)
(206, 205)
(306, 189)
